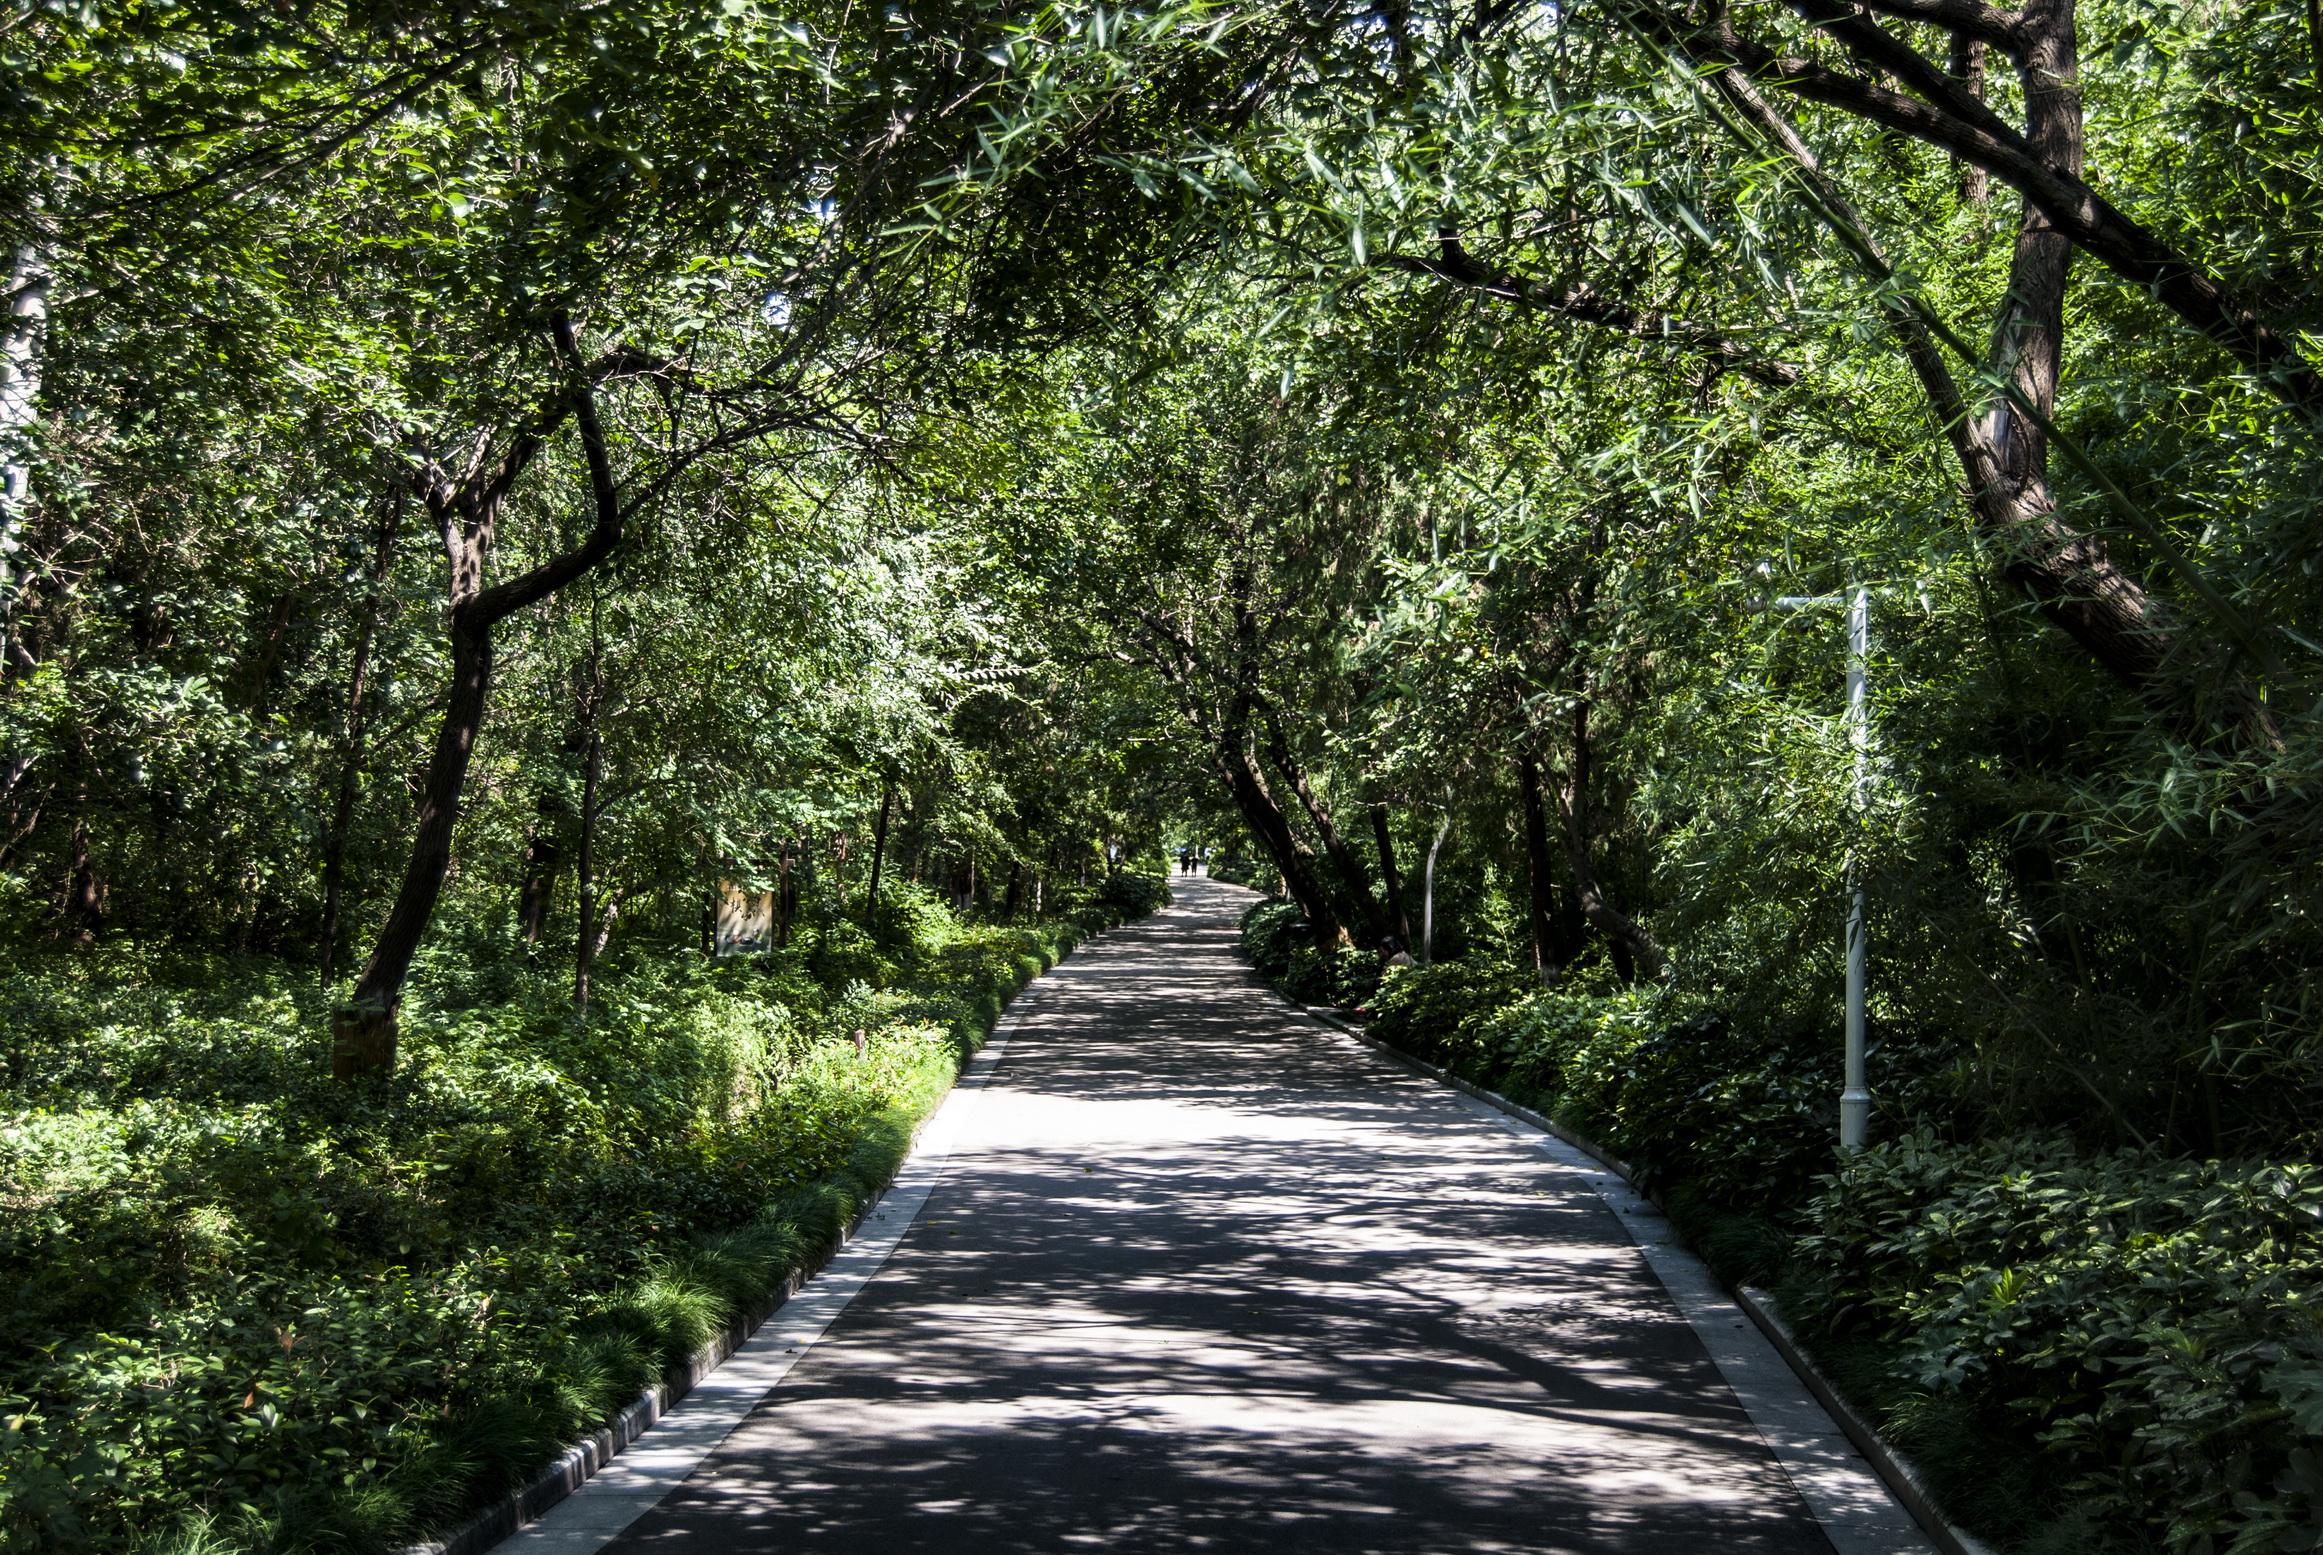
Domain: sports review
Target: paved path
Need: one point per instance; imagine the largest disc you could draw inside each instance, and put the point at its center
(1203, 1275)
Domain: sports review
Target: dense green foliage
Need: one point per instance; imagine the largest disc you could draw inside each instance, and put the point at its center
(504, 501)
(242, 1296)
(2084, 1346)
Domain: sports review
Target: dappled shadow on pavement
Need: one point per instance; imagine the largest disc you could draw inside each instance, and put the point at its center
(1204, 1276)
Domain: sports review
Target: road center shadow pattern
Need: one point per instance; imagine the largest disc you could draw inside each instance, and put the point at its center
(1202, 1275)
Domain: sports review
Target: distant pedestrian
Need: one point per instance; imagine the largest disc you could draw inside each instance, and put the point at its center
(1185, 861)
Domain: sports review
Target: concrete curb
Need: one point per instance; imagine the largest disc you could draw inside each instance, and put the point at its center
(1902, 1479)
(581, 1462)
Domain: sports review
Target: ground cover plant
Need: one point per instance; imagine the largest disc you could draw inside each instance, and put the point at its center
(252, 1307)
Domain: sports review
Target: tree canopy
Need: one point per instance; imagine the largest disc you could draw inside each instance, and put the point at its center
(547, 466)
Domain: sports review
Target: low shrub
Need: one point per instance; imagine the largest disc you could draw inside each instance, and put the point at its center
(2152, 1327)
(247, 1308)
(1280, 943)
(1439, 1013)
(1129, 893)
(2087, 1352)
(1749, 1121)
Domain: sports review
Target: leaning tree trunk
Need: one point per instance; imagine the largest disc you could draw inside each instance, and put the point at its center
(466, 510)
(1228, 736)
(1947, 114)
(2071, 577)
(1385, 841)
(363, 1033)
(1292, 858)
(1354, 880)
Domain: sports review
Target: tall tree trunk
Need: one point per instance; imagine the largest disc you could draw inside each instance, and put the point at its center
(84, 893)
(467, 510)
(1354, 879)
(542, 857)
(1383, 838)
(1549, 956)
(1226, 728)
(878, 857)
(21, 819)
(1014, 898)
(1574, 811)
(585, 889)
(1428, 891)
(363, 1034)
(353, 727)
(1968, 69)
(21, 326)
(1292, 858)
(786, 896)
(2070, 576)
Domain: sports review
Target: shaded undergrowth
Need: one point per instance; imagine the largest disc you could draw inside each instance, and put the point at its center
(2085, 1351)
(250, 1309)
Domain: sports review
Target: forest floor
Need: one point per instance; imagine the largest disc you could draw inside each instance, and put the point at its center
(1182, 1269)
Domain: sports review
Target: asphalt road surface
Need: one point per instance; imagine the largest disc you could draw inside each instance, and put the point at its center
(1201, 1274)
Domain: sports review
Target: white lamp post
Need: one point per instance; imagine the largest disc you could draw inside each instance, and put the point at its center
(1855, 1097)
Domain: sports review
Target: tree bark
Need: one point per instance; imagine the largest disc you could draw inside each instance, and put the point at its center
(2041, 38)
(1968, 69)
(25, 319)
(1576, 815)
(585, 861)
(1354, 880)
(1428, 892)
(1292, 858)
(878, 858)
(542, 856)
(2070, 576)
(1383, 838)
(353, 728)
(786, 897)
(466, 511)
(1549, 955)
(1227, 732)
(85, 894)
